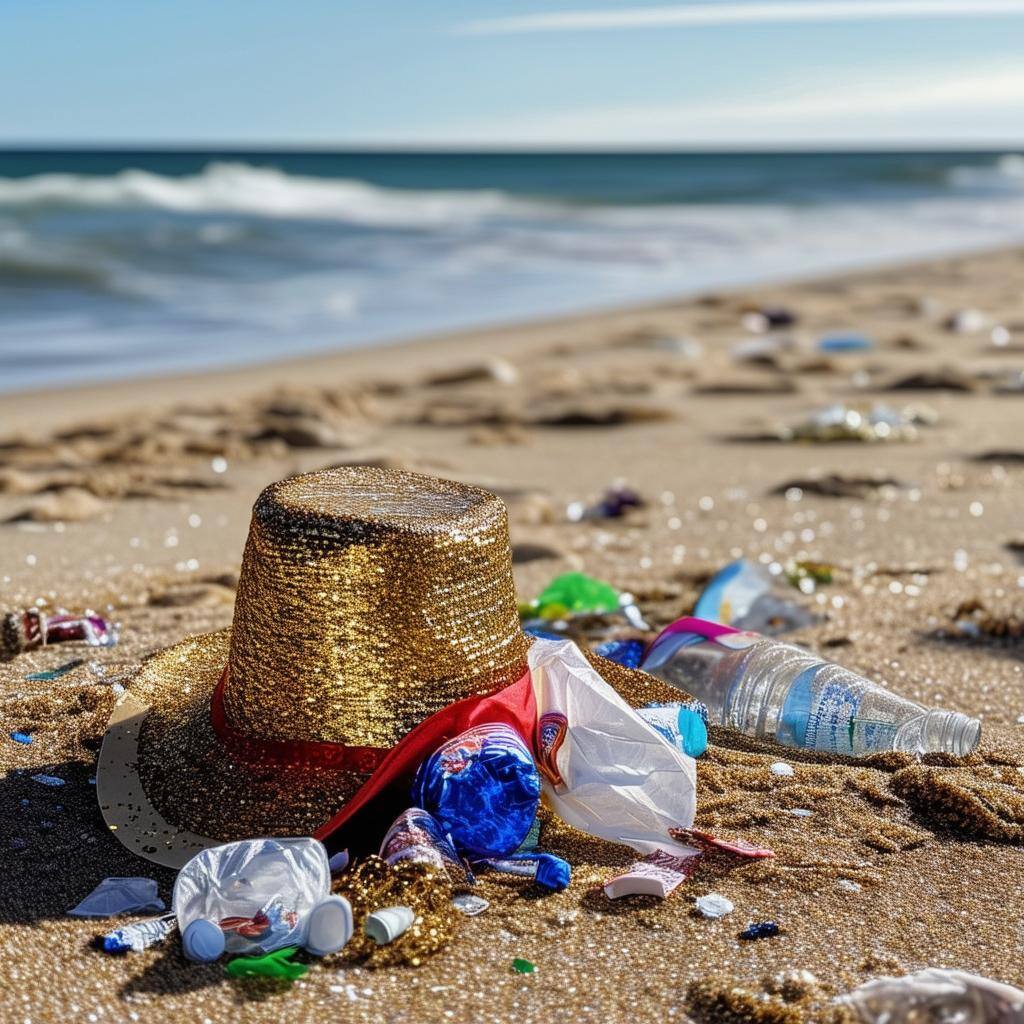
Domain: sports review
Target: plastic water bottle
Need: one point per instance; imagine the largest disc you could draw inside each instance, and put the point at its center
(774, 690)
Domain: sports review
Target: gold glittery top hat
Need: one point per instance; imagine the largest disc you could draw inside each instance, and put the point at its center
(368, 600)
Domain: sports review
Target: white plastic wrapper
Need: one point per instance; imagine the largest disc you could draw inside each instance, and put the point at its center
(259, 891)
(606, 771)
(937, 996)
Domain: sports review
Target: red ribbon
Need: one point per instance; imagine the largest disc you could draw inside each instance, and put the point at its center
(290, 753)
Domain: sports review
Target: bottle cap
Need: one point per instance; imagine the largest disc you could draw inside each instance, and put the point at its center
(202, 941)
(329, 926)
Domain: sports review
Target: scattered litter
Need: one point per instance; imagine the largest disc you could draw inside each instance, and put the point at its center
(768, 318)
(56, 673)
(575, 592)
(781, 768)
(134, 938)
(120, 896)
(22, 737)
(714, 905)
(521, 966)
(415, 835)
(387, 924)
(723, 667)
(849, 885)
(338, 862)
(470, 905)
(760, 930)
(623, 652)
(936, 996)
(657, 874)
(800, 812)
(681, 725)
(745, 595)
(616, 501)
(967, 321)
(548, 871)
(32, 628)
(845, 342)
(49, 780)
(278, 964)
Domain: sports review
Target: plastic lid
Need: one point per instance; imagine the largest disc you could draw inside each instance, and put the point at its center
(202, 941)
(329, 926)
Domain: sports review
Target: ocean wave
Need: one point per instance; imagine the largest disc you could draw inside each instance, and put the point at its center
(239, 188)
(1004, 174)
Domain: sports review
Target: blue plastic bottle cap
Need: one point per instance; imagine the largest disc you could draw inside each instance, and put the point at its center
(202, 941)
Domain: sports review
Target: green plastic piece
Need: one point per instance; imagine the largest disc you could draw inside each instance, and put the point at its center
(521, 966)
(577, 592)
(271, 965)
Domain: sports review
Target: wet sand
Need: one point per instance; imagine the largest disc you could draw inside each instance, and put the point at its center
(137, 496)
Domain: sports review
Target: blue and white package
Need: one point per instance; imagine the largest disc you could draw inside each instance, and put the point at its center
(483, 788)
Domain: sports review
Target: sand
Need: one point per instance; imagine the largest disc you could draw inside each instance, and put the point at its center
(136, 496)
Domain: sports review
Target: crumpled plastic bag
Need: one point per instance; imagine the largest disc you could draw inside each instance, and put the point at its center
(937, 996)
(259, 891)
(606, 771)
(120, 896)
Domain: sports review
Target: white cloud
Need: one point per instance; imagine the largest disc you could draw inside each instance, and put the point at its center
(973, 105)
(736, 13)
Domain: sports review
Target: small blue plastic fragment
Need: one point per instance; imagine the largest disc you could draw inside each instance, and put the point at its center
(22, 737)
(623, 652)
(760, 930)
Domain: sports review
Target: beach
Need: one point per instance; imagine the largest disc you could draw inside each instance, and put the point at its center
(133, 497)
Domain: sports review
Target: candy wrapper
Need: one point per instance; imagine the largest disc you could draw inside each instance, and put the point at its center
(483, 788)
(416, 836)
(26, 630)
(606, 771)
(657, 874)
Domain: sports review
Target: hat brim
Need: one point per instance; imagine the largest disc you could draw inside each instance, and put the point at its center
(168, 786)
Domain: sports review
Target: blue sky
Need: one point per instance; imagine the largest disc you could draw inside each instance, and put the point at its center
(526, 72)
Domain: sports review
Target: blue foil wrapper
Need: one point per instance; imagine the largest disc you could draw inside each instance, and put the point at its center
(483, 788)
(624, 652)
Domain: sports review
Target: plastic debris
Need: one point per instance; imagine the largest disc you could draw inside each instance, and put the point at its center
(416, 835)
(49, 780)
(338, 862)
(120, 896)
(615, 503)
(967, 321)
(936, 996)
(714, 905)
(849, 885)
(800, 812)
(521, 966)
(842, 422)
(470, 905)
(134, 938)
(22, 737)
(845, 342)
(483, 788)
(623, 652)
(711, 845)
(387, 924)
(762, 350)
(32, 628)
(760, 930)
(820, 705)
(641, 786)
(574, 592)
(745, 595)
(658, 874)
(56, 673)
(781, 768)
(259, 893)
(679, 724)
(278, 964)
(548, 871)
(768, 318)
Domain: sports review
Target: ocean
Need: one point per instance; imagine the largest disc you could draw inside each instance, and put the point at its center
(116, 264)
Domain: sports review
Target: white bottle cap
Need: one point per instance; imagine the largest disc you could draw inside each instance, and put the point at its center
(202, 941)
(384, 926)
(329, 926)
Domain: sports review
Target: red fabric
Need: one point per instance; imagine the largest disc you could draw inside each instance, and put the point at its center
(515, 705)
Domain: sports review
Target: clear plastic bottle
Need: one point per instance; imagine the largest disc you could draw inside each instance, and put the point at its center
(774, 690)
